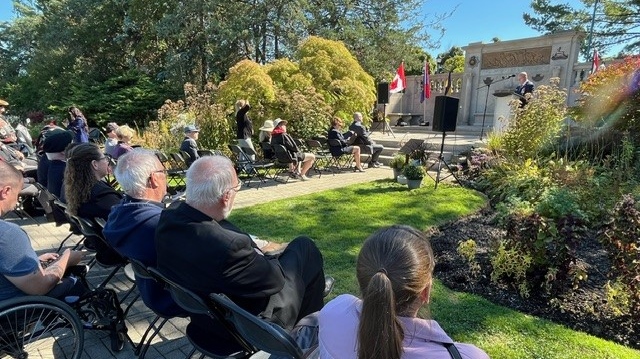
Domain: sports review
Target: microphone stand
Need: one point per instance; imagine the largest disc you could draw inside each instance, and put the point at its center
(487, 83)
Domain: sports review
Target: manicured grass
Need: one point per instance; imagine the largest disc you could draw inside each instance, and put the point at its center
(340, 220)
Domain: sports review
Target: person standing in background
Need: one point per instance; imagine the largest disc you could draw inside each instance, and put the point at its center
(78, 125)
(244, 126)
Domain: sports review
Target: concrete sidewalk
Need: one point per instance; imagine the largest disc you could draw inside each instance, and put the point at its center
(172, 343)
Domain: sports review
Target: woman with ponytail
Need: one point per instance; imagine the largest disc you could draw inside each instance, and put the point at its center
(394, 272)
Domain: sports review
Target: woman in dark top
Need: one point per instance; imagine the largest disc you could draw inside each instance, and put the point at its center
(336, 151)
(86, 195)
(244, 126)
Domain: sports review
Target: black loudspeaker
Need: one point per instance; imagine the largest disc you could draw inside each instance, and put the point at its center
(383, 92)
(445, 114)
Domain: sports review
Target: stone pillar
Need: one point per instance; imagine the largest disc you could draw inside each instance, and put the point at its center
(466, 99)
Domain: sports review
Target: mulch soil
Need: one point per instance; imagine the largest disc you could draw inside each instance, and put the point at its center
(582, 309)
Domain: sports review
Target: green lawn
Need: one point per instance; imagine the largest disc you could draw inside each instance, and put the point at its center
(340, 220)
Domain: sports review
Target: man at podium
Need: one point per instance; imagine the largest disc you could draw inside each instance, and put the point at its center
(525, 87)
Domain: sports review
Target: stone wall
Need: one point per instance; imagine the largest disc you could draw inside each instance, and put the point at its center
(542, 57)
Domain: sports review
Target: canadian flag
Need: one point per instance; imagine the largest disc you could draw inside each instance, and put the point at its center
(595, 65)
(399, 82)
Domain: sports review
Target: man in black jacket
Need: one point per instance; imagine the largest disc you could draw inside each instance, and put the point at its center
(199, 249)
(363, 140)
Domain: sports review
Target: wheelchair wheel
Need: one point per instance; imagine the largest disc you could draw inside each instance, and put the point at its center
(39, 327)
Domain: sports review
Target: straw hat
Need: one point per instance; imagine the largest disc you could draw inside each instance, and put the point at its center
(3, 103)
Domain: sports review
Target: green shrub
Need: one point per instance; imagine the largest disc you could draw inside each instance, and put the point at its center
(414, 171)
(537, 125)
(621, 238)
(512, 264)
(467, 250)
(398, 161)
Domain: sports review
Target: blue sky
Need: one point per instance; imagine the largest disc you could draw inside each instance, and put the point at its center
(473, 20)
(482, 20)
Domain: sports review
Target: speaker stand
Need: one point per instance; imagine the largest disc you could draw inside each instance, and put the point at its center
(440, 161)
(385, 126)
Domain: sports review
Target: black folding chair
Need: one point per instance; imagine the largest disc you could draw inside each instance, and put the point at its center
(259, 333)
(196, 305)
(323, 157)
(175, 175)
(342, 161)
(141, 272)
(284, 162)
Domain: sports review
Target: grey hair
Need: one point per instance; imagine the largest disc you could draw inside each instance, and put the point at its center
(208, 178)
(356, 116)
(133, 171)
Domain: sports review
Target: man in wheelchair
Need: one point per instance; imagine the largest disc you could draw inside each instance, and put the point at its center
(23, 272)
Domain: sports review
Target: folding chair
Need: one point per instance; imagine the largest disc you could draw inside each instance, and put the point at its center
(259, 333)
(323, 157)
(27, 193)
(174, 175)
(196, 305)
(284, 161)
(88, 230)
(260, 166)
(61, 217)
(246, 168)
(342, 161)
(141, 272)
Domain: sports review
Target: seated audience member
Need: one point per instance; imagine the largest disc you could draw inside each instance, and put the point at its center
(21, 269)
(198, 248)
(112, 139)
(132, 223)
(265, 136)
(394, 271)
(125, 135)
(336, 134)
(7, 133)
(279, 136)
(87, 195)
(363, 139)
(189, 144)
(54, 148)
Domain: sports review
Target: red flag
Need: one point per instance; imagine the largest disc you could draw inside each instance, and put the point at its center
(426, 83)
(596, 62)
(399, 82)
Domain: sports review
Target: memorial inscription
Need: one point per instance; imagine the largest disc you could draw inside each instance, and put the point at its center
(516, 58)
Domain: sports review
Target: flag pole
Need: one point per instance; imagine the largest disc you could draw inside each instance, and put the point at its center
(424, 87)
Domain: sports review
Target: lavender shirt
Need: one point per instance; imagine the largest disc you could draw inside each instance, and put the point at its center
(423, 338)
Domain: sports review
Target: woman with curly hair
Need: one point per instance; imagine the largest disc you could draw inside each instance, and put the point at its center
(395, 274)
(87, 196)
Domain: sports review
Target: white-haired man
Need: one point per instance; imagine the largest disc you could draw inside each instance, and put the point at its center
(131, 225)
(198, 248)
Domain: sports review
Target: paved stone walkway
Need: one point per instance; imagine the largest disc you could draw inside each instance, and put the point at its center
(171, 343)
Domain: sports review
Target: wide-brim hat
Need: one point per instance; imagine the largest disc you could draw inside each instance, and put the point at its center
(3, 103)
(191, 128)
(279, 121)
(267, 126)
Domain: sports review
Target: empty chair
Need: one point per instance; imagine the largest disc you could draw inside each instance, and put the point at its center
(247, 167)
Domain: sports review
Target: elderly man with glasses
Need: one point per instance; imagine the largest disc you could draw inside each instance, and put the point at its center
(200, 249)
(131, 225)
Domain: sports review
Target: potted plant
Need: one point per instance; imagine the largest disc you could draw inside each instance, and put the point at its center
(397, 163)
(414, 173)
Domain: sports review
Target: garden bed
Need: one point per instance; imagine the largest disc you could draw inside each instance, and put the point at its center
(582, 309)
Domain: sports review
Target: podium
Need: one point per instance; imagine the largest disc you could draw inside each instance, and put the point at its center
(502, 110)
